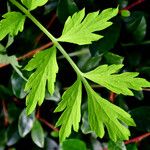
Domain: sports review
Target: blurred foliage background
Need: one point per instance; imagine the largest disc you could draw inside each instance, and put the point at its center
(127, 41)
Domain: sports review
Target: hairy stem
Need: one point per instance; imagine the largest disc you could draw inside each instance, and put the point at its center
(49, 35)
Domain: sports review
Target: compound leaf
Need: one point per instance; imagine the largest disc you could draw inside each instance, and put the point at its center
(46, 68)
(79, 30)
(103, 113)
(71, 104)
(118, 83)
(32, 4)
(12, 23)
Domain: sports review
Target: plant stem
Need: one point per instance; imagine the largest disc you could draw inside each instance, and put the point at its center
(53, 39)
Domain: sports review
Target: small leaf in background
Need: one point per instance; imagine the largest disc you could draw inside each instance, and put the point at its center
(132, 146)
(91, 63)
(10, 41)
(71, 104)
(2, 147)
(70, 8)
(2, 48)
(119, 145)
(18, 85)
(79, 30)
(73, 144)
(5, 92)
(85, 127)
(25, 123)
(56, 95)
(37, 134)
(46, 67)
(111, 36)
(12, 134)
(139, 95)
(32, 4)
(50, 7)
(55, 134)
(136, 25)
(118, 83)
(13, 112)
(5, 59)
(112, 58)
(7, 27)
(125, 13)
(50, 144)
(3, 137)
(102, 113)
(141, 116)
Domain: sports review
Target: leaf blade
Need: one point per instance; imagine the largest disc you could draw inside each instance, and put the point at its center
(78, 30)
(111, 116)
(46, 66)
(37, 134)
(118, 83)
(71, 103)
(12, 23)
(33, 4)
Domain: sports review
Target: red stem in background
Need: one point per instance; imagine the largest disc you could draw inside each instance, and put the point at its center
(112, 97)
(138, 139)
(45, 121)
(31, 53)
(6, 121)
(133, 4)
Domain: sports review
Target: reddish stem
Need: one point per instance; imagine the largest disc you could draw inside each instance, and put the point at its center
(6, 121)
(44, 121)
(48, 124)
(138, 139)
(112, 97)
(31, 53)
(133, 4)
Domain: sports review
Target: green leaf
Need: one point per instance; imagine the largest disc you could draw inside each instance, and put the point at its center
(32, 4)
(79, 30)
(71, 104)
(125, 13)
(12, 134)
(25, 123)
(85, 127)
(3, 137)
(141, 116)
(2, 48)
(136, 25)
(73, 144)
(112, 58)
(103, 113)
(70, 8)
(5, 59)
(12, 23)
(37, 134)
(119, 145)
(18, 84)
(118, 83)
(132, 146)
(46, 68)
